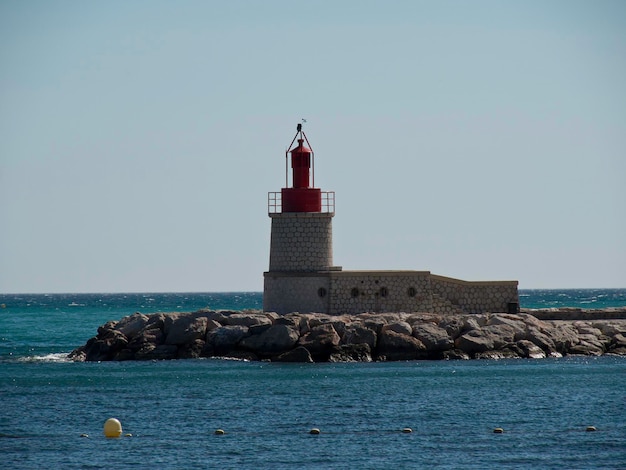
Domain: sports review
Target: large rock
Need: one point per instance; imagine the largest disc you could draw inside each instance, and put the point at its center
(474, 341)
(394, 346)
(132, 324)
(105, 346)
(299, 354)
(191, 350)
(321, 341)
(514, 321)
(542, 340)
(401, 327)
(224, 339)
(486, 338)
(184, 329)
(564, 336)
(530, 350)
(149, 335)
(358, 334)
(434, 337)
(275, 340)
(246, 319)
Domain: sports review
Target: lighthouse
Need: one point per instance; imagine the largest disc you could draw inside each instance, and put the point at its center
(301, 246)
(302, 277)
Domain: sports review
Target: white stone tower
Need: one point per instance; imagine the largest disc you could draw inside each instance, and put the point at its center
(301, 247)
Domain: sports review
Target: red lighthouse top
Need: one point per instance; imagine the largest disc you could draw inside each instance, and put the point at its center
(302, 196)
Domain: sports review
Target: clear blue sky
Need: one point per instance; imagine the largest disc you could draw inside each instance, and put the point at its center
(481, 140)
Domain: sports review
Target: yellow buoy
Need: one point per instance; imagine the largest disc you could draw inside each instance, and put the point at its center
(591, 428)
(498, 430)
(314, 431)
(407, 430)
(112, 428)
(219, 432)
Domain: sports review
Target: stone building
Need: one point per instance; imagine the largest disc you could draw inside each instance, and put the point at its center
(302, 277)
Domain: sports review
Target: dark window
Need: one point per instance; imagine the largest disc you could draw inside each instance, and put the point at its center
(412, 291)
(321, 292)
(354, 292)
(384, 292)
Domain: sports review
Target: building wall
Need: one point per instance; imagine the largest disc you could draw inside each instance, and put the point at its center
(476, 297)
(353, 292)
(301, 241)
(296, 292)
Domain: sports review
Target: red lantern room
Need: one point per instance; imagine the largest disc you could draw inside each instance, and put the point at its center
(302, 196)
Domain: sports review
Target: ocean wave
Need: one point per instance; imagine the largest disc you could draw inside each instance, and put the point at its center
(53, 357)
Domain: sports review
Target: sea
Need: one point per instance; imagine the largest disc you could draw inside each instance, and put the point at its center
(52, 411)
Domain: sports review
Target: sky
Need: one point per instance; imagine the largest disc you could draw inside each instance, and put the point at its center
(481, 140)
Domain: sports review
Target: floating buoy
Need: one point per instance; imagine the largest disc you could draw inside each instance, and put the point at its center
(591, 428)
(85, 435)
(112, 428)
(128, 435)
(498, 430)
(3, 305)
(314, 431)
(407, 430)
(219, 432)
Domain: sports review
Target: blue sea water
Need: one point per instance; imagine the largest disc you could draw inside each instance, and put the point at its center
(172, 408)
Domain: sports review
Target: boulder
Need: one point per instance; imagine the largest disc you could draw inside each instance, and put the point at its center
(401, 327)
(611, 328)
(474, 341)
(619, 340)
(224, 339)
(191, 350)
(485, 339)
(299, 354)
(358, 334)
(211, 324)
(246, 319)
(564, 336)
(275, 340)
(587, 348)
(530, 350)
(320, 341)
(132, 324)
(434, 337)
(514, 321)
(542, 340)
(148, 335)
(105, 346)
(184, 329)
(453, 325)
(394, 346)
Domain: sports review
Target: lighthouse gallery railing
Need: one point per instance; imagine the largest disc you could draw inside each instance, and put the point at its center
(275, 203)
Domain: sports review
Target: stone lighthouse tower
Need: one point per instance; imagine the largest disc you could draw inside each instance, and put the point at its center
(301, 247)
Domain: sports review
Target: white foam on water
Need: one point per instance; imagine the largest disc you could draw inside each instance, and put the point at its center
(54, 357)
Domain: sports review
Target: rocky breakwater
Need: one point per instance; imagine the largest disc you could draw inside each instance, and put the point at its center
(298, 337)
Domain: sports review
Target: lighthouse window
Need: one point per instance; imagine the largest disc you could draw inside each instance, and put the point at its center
(321, 292)
(384, 292)
(354, 292)
(411, 291)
